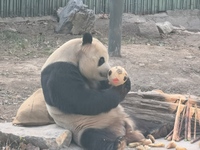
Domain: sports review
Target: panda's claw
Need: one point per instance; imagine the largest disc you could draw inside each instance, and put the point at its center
(121, 143)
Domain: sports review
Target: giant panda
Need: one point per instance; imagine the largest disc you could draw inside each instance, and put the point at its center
(79, 98)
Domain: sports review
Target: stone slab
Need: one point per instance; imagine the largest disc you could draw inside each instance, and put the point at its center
(45, 137)
(41, 136)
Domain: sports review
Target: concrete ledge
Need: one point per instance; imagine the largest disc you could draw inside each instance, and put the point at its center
(42, 136)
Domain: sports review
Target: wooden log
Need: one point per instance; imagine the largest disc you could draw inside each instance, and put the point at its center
(151, 105)
(161, 96)
(154, 110)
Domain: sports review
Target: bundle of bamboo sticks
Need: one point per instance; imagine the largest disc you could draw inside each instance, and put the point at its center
(186, 116)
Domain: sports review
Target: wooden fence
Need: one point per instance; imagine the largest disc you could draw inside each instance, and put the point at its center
(31, 8)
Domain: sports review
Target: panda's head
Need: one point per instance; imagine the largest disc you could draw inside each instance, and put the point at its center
(93, 59)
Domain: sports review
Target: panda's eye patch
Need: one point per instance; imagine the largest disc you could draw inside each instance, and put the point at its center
(101, 61)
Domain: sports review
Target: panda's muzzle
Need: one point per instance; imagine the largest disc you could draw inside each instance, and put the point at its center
(104, 75)
(103, 70)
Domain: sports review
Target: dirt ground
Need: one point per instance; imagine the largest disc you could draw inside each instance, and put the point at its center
(170, 63)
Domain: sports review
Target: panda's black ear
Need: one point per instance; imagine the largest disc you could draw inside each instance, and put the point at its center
(87, 39)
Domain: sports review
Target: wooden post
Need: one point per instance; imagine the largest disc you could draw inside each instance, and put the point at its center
(115, 27)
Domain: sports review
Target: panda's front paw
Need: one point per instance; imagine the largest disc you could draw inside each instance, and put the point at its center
(127, 86)
(123, 89)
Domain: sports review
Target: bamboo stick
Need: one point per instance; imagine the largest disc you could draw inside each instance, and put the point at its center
(180, 138)
(177, 121)
(195, 140)
(195, 121)
(198, 116)
(169, 138)
(170, 133)
(189, 123)
(186, 120)
(182, 119)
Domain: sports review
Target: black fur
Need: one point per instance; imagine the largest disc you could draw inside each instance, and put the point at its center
(99, 139)
(65, 88)
(87, 38)
(104, 85)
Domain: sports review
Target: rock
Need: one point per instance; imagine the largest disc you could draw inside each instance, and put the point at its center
(64, 140)
(189, 57)
(189, 19)
(12, 29)
(141, 64)
(148, 29)
(43, 137)
(165, 27)
(75, 18)
(83, 22)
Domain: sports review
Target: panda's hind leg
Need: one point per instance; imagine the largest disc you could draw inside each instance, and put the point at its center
(132, 135)
(102, 139)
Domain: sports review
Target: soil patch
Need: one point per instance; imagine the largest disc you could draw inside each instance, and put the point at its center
(170, 63)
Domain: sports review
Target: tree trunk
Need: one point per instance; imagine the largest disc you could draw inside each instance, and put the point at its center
(115, 27)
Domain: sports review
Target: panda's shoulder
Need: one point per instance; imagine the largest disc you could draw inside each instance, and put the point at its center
(62, 68)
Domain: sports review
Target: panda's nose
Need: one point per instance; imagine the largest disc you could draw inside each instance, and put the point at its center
(104, 69)
(107, 67)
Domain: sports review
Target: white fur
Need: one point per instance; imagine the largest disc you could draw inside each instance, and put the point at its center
(114, 119)
(67, 52)
(87, 56)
